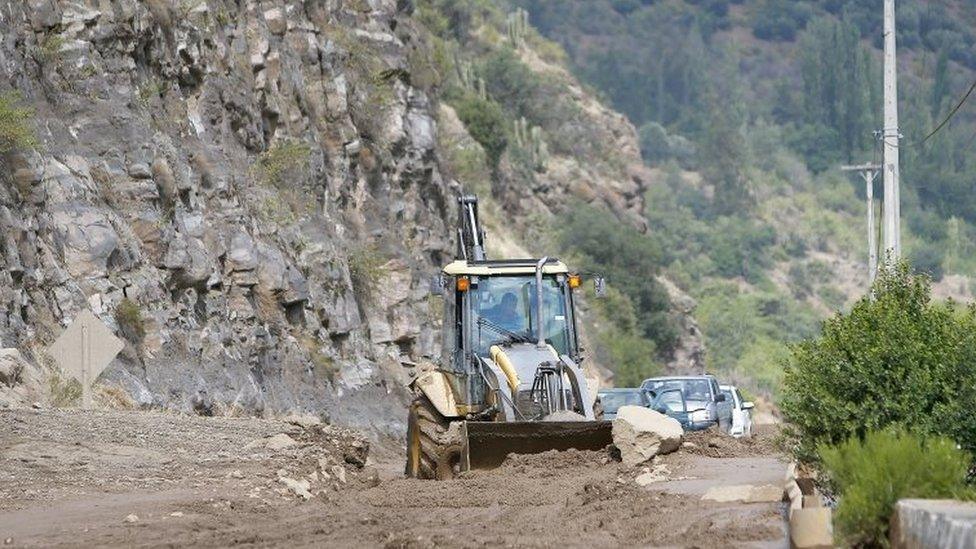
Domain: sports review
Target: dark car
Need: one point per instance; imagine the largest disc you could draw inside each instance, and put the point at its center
(612, 399)
(703, 400)
(671, 402)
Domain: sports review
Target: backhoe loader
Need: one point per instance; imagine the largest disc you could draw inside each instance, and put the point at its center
(509, 379)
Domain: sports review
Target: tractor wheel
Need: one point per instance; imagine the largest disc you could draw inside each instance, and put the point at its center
(433, 442)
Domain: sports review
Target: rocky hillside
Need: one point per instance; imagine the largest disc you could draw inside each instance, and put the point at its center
(254, 195)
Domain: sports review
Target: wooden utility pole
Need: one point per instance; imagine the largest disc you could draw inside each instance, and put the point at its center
(869, 172)
(890, 138)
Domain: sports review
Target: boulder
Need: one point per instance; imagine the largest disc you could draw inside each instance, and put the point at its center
(12, 366)
(641, 433)
(87, 239)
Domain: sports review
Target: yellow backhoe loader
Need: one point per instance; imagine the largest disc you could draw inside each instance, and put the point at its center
(509, 380)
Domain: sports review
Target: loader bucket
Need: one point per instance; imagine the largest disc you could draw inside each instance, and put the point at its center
(487, 443)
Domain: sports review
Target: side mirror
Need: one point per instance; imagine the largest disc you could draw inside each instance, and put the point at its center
(436, 285)
(748, 406)
(600, 286)
(720, 398)
(662, 410)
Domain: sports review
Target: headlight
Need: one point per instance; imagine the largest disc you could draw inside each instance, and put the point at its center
(701, 415)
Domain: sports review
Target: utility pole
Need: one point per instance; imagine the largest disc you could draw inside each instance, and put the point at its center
(890, 137)
(869, 172)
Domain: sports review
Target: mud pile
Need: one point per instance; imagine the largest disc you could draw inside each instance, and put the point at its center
(713, 444)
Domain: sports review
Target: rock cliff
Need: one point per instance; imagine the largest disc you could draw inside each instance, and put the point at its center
(252, 193)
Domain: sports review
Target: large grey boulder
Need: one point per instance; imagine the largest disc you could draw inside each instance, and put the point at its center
(87, 239)
(12, 366)
(641, 433)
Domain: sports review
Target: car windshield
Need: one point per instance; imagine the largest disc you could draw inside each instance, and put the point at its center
(504, 311)
(669, 398)
(693, 389)
(612, 401)
(728, 395)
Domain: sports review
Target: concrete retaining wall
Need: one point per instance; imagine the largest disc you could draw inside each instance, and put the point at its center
(922, 523)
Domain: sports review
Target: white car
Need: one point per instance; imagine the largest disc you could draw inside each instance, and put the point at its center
(741, 412)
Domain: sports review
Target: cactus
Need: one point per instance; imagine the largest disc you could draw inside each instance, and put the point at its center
(518, 25)
(468, 79)
(482, 91)
(530, 139)
(464, 72)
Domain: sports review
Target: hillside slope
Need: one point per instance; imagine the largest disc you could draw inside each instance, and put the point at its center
(746, 109)
(255, 194)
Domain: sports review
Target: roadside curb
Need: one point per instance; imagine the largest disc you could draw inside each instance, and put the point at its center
(810, 523)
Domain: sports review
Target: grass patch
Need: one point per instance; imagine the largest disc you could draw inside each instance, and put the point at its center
(64, 392)
(283, 161)
(128, 315)
(366, 268)
(16, 123)
(51, 48)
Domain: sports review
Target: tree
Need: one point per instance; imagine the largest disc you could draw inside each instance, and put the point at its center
(940, 84)
(630, 261)
(835, 84)
(723, 157)
(896, 359)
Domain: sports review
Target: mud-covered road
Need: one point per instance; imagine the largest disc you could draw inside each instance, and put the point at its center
(71, 478)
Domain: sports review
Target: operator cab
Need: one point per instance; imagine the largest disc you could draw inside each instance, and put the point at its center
(494, 304)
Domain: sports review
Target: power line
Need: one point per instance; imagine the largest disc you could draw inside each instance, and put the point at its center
(937, 129)
(952, 113)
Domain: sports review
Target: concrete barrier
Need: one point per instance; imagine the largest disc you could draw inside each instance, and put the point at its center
(811, 524)
(924, 523)
(811, 529)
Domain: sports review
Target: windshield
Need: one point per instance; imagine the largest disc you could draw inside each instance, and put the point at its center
(693, 389)
(504, 311)
(671, 399)
(614, 400)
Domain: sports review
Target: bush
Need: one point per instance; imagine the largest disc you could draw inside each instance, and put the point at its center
(895, 360)
(486, 123)
(128, 315)
(284, 161)
(16, 131)
(870, 476)
(928, 260)
(740, 247)
(779, 19)
(630, 261)
(632, 359)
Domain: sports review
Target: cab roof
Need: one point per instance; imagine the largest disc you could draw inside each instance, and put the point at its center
(503, 267)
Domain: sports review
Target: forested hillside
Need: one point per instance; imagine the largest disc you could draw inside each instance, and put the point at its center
(746, 109)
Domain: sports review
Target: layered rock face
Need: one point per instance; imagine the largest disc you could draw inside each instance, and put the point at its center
(253, 194)
(248, 190)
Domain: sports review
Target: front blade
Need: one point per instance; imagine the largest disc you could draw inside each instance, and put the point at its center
(487, 443)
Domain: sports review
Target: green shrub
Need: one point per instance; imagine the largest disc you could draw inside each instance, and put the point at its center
(128, 315)
(870, 476)
(629, 260)
(632, 359)
(365, 268)
(64, 392)
(486, 123)
(895, 360)
(16, 130)
(284, 160)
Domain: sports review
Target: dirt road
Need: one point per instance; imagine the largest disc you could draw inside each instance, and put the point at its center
(71, 478)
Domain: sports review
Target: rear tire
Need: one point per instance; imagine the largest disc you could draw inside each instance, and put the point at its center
(433, 442)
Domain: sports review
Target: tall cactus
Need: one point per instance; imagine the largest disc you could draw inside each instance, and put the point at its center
(530, 140)
(518, 25)
(464, 72)
(468, 79)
